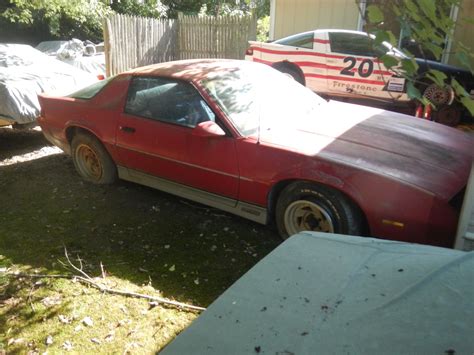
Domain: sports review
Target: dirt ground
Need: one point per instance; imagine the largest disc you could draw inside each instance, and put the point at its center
(42, 194)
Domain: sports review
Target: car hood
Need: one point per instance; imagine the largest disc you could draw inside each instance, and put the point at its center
(420, 153)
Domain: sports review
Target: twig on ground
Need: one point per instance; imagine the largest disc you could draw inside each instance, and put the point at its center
(86, 279)
(79, 270)
(29, 299)
(91, 282)
(102, 270)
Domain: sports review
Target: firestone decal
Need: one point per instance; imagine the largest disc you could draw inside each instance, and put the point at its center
(353, 87)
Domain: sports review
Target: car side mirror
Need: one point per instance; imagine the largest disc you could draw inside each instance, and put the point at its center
(208, 129)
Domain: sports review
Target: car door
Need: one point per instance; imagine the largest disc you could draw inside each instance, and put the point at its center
(355, 70)
(155, 136)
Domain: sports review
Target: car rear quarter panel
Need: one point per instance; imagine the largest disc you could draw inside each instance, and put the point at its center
(97, 115)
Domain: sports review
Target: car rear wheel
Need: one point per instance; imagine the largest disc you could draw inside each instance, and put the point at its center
(448, 115)
(291, 72)
(447, 112)
(91, 159)
(305, 206)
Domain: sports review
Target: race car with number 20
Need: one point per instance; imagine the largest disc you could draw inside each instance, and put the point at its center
(342, 63)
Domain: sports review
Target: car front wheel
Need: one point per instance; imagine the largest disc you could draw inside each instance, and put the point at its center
(305, 206)
(91, 160)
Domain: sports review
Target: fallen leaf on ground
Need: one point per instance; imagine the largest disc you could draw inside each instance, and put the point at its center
(88, 321)
(49, 340)
(51, 300)
(109, 337)
(64, 319)
(15, 341)
(67, 345)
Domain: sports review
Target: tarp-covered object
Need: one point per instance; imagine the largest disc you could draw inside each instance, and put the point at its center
(26, 72)
(77, 54)
(332, 294)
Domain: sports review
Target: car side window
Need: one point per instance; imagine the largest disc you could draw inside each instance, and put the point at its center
(302, 40)
(167, 100)
(353, 43)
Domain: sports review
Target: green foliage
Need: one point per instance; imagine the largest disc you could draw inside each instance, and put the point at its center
(374, 14)
(184, 6)
(427, 23)
(436, 77)
(63, 18)
(263, 29)
(149, 8)
(412, 91)
(217, 7)
(31, 21)
(389, 61)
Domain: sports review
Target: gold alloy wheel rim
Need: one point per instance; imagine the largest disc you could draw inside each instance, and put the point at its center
(305, 215)
(88, 161)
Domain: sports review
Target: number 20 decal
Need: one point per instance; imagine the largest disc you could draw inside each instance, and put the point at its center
(362, 70)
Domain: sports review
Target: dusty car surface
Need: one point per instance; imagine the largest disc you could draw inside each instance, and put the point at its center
(343, 63)
(242, 137)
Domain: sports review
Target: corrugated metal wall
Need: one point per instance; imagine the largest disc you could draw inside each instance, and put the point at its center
(294, 16)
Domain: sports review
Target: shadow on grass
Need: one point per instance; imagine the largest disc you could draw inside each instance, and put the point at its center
(187, 251)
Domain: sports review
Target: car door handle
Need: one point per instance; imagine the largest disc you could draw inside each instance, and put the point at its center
(127, 129)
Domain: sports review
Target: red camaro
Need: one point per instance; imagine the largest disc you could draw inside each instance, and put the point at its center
(244, 138)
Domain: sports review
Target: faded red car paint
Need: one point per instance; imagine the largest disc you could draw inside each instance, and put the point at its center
(394, 167)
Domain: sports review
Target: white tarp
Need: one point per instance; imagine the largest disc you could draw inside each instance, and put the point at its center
(76, 53)
(333, 294)
(26, 72)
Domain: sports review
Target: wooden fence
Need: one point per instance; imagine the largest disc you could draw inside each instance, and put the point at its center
(215, 37)
(132, 42)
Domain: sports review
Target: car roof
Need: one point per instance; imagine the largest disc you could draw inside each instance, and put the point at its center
(320, 31)
(191, 69)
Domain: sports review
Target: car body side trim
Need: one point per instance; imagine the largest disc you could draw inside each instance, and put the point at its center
(254, 213)
(183, 163)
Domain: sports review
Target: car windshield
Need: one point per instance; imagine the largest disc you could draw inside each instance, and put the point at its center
(256, 97)
(393, 50)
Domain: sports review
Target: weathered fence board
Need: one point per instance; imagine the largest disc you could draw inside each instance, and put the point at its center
(131, 42)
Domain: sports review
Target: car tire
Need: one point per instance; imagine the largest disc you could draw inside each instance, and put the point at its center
(91, 160)
(293, 73)
(313, 207)
(448, 115)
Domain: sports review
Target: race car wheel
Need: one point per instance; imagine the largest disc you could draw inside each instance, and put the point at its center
(304, 206)
(291, 72)
(91, 160)
(439, 95)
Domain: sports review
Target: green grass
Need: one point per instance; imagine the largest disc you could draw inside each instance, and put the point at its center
(147, 241)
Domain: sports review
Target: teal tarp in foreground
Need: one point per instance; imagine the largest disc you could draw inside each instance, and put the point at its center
(330, 294)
